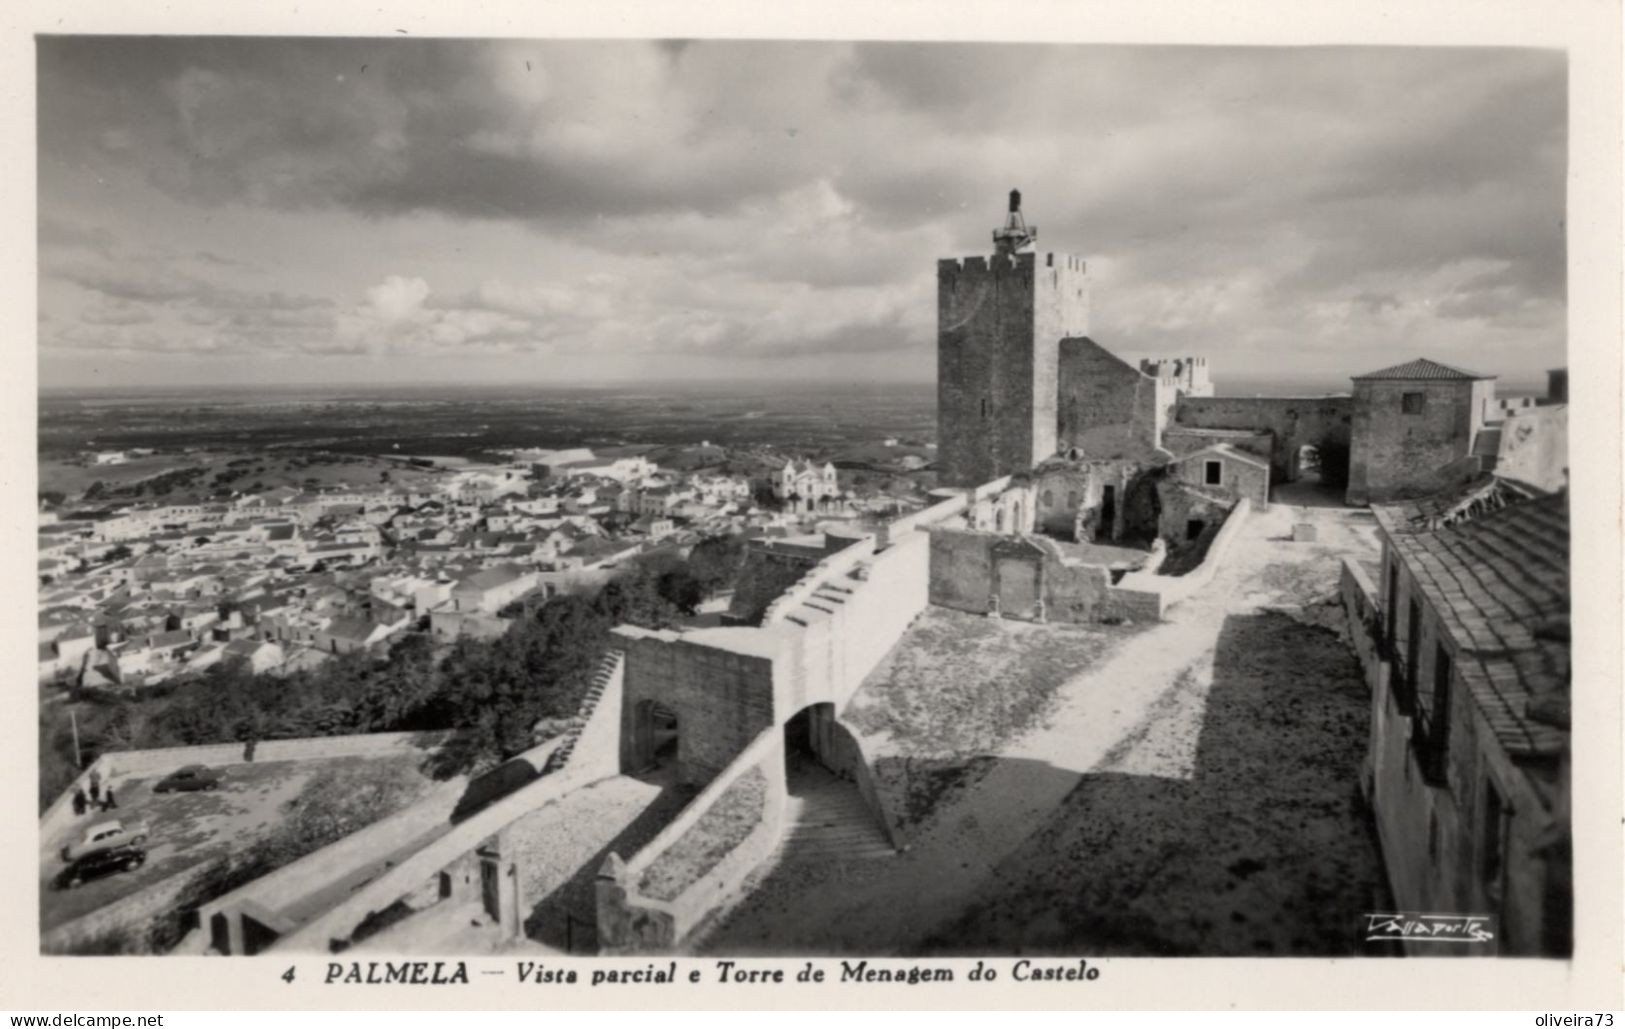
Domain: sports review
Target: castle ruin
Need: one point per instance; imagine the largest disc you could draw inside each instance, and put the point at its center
(1073, 486)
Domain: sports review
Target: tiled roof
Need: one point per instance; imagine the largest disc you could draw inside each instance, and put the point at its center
(491, 578)
(1481, 495)
(1225, 450)
(1499, 583)
(350, 628)
(1422, 368)
(596, 548)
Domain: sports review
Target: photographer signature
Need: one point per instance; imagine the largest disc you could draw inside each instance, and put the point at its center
(1429, 928)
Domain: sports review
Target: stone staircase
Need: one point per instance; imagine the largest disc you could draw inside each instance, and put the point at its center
(828, 819)
(827, 599)
(607, 668)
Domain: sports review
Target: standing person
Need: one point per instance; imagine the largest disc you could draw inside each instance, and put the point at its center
(108, 803)
(78, 801)
(95, 791)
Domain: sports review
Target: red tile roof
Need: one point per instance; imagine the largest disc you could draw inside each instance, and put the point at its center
(1499, 583)
(1422, 368)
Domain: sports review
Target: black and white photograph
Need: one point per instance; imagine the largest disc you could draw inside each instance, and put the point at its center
(521, 499)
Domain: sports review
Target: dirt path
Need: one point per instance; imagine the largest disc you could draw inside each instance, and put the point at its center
(1141, 716)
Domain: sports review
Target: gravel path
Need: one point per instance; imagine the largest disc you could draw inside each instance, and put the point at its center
(1168, 740)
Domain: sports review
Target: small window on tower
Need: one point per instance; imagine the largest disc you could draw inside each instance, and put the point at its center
(984, 407)
(1214, 473)
(1411, 403)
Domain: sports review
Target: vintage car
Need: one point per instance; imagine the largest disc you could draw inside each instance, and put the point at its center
(192, 777)
(105, 836)
(94, 865)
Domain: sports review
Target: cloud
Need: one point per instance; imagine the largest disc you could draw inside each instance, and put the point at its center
(59, 233)
(783, 199)
(116, 313)
(397, 299)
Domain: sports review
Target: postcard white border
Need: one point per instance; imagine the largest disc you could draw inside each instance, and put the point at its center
(1589, 30)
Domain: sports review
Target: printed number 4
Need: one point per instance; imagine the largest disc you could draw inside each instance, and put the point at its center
(287, 976)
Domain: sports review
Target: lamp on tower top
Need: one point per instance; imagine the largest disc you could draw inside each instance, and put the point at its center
(1016, 235)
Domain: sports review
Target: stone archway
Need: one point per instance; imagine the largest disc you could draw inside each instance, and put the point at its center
(809, 736)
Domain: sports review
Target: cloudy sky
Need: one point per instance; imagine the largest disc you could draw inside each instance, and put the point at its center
(406, 211)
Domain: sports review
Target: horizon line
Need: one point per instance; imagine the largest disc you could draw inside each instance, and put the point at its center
(41, 389)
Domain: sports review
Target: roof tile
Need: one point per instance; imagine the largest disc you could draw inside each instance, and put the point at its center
(1422, 368)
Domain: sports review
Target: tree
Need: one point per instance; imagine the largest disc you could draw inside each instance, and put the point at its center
(715, 561)
(760, 581)
(681, 589)
(635, 598)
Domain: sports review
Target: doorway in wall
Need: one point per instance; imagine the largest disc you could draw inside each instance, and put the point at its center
(807, 737)
(656, 735)
(1306, 464)
(1108, 513)
(1018, 587)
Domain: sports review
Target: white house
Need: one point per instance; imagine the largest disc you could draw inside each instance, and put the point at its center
(493, 589)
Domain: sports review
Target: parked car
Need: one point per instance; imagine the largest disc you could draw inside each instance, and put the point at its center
(192, 777)
(98, 864)
(105, 836)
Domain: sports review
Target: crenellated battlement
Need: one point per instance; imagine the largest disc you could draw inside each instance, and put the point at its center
(1006, 265)
(1188, 374)
(982, 267)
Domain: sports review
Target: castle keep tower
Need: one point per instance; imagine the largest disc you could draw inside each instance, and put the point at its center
(999, 322)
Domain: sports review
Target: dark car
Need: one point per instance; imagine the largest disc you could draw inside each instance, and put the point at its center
(192, 777)
(98, 864)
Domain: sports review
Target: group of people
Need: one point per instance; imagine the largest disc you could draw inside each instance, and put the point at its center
(98, 799)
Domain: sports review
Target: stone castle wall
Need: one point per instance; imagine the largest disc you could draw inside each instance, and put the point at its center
(968, 569)
(961, 570)
(1182, 441)
(723, 698)
(1070, 495)
(1060, 310)
(1292, 422)
(1106, 406)
(1189, 375)
(630, 922)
